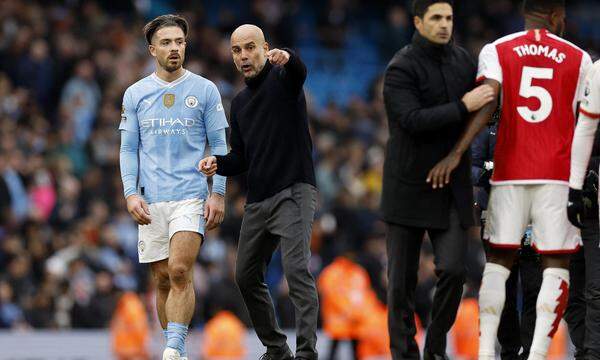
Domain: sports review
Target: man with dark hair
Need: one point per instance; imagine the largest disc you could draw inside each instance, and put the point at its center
(428, 99)
(166, 120)
(165, 21)
(540, 77)
(270, 142)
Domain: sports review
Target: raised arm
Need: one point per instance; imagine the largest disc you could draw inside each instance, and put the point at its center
(293, 70)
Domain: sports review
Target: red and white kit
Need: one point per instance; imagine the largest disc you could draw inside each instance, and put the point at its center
(542, 78)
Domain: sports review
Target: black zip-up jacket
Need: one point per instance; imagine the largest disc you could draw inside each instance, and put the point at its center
(423, 87)
(269, 132)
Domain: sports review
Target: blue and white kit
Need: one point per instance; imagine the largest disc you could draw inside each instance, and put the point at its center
(164, 130)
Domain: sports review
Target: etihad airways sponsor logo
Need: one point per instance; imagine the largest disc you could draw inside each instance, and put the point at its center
(170, 122)
(167, 126)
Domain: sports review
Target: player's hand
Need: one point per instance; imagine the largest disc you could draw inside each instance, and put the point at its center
(278, 57)
(138, 209)
(208, 166)
(214, 211)
(575, 207)
(440, 174)
(478, 97)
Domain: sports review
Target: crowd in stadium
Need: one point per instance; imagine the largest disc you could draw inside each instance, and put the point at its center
(68, 247)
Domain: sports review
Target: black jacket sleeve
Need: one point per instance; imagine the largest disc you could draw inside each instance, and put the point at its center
(234, 163)
(294, 71)
(401, 96)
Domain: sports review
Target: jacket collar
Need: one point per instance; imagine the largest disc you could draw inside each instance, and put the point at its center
(436, 51)
(260, 77)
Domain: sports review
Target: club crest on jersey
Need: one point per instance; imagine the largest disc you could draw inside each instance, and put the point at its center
(191, 101)
(168, 100)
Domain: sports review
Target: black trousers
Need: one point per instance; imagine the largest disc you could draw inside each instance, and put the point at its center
(583, 312)
(403, 250)
(515, 332)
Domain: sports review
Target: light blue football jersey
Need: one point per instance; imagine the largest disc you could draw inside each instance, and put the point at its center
(172, 120)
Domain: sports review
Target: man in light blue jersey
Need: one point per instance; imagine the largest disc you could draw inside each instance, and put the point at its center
(166, 119)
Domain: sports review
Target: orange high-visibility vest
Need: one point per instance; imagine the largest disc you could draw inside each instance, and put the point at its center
(345, 290)
(224, 337)
(374, 340)
(129, 328)
(465, 332)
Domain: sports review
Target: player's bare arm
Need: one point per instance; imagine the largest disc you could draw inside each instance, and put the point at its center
(440, 174)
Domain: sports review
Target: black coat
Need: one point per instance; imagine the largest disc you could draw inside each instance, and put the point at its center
(423, 87)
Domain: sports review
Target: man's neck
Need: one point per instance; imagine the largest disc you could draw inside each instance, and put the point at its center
(169, 76)
(535, 23)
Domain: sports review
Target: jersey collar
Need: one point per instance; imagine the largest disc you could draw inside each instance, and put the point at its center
(171, 84)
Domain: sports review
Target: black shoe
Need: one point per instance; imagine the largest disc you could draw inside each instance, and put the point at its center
(432, 356)
(283, 355)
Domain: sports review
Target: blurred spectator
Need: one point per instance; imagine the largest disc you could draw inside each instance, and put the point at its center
(36, 71)
(10, 313)
(80, 99)
(224, 337)
(397, 32)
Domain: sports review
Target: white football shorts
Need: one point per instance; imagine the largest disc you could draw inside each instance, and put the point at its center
(168, 218)
(512, 208)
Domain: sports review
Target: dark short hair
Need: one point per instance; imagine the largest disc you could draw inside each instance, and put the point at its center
(419, 7)
(164, 21)
(542, 6)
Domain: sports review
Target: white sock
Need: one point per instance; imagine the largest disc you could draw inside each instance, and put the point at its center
(491, 302)
(550, 307)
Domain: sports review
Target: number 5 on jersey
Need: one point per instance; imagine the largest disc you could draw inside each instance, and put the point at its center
(527, 90)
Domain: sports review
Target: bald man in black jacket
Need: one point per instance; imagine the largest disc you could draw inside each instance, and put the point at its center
(270, 141)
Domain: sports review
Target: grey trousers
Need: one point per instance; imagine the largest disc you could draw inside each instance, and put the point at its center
(286, 219)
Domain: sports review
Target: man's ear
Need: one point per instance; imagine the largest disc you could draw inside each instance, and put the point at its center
(555, 18)
(266, 46)
(418, 23)
(152, 50)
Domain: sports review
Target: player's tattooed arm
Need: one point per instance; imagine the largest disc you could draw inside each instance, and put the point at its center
(440, 174)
